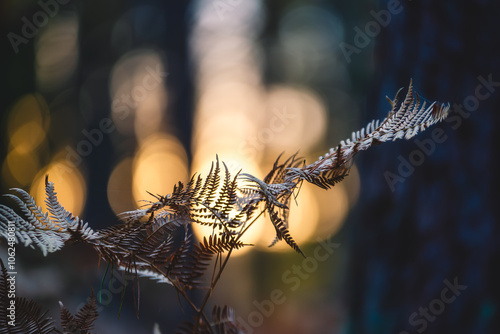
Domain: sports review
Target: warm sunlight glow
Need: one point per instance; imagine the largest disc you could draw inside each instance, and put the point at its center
(241, 120)
(296, 119)
(158, 165)
(241, 66)
(138, 95)
(149, 114)
(334, 205)
(22, 167)
(27, 137)
(27, 123)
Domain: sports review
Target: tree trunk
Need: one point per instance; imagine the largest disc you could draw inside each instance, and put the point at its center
(425, 248)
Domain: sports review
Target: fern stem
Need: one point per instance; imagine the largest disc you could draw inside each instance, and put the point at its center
(219, 273)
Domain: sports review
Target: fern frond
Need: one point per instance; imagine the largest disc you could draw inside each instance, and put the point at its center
(193, 265)
(179, 267)
(70, 225)
(404, 120)
(155, 241)
(275, 191)
(152, 275)
(220, 244)
(59, 216)
(144, 244)
(279, 220)
(31, 232)
(32, 212)
(36, 228)
(133, 215)
(137, 247)
(83, 321)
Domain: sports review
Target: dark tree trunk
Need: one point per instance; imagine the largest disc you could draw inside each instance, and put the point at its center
(436, 223)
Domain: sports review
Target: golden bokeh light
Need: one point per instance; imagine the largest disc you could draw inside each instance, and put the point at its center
(241, 66)
(27, 137)
(223, 134)
(230, 99)
(28, 122)
(69, 184)
(226, 117)
(158, 165)
(22, 167)
(334, 205)
(296, 118)
(27, 125)
(138, 94)
(150, 113)
(247, 124)
(119, 188)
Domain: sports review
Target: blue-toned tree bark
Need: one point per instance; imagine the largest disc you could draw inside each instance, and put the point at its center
(426, 242)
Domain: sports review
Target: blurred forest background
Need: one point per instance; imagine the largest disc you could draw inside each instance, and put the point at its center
(113, 99)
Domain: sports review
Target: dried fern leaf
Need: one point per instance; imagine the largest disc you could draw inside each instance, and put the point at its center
(31, 230)
(36, 228)
(275, 191)
(83, 321)
(404, 120)
(192, 265)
